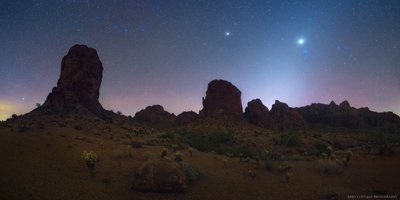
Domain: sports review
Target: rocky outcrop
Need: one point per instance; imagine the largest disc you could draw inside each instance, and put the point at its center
(186, 117)
(258, 114)
(79, 83)
(160, 176)
(286, 117)
(343, 115)
(155, 115)
(222, 99)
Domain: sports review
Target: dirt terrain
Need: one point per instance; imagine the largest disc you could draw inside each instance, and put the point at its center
(46, 164)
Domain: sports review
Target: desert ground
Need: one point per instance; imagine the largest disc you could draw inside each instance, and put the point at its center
(45, 163)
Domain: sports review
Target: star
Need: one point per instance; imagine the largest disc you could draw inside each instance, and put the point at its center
(301, 41)
(227, 33)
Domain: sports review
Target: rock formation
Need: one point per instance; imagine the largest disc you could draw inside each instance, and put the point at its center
(160, 176)
(186, 117)
(286, 117)
(343, 115)
(257, 113)
(155, 115)
(79, 83)
(222, 99)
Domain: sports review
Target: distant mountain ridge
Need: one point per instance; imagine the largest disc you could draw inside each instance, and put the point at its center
(78, 87)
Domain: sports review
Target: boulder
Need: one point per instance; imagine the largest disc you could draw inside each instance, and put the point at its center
(155, 115)
(160, 176)
(258, 114)
(79, 82)
(222, 99)
(286, 117)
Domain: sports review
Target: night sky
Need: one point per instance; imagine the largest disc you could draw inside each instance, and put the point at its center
(165, 52)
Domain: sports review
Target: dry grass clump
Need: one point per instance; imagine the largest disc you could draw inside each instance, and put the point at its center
(330, 167)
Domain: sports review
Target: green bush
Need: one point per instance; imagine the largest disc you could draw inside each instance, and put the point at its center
(330, 167)
(191, 174)
(212, 142)
(221, 138)
(89, 157)
(291, 139)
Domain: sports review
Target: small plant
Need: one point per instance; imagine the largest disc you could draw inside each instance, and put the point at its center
(287, 177)
(266, 154)
(191, 173)
(329, 151)
(164, 153)
(38, 105)
(190, 149)
(130, 149)
(178, 156)
(349, 154)
(90, 159)
(174, 147)
(225, 162)
(252, 173)
(241, 157)
(324, 156)
(330, 167)
(292, 139)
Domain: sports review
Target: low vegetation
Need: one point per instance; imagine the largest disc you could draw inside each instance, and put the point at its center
(90, 158)
(292, 139)
(330, 167)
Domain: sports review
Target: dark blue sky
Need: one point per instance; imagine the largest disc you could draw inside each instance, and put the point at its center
(165, 52)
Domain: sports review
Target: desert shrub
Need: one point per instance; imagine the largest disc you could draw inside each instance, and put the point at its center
(239, 151)
(330, 167)
(317, 149)
(288, 175)
(252, 173)
(190, 149)
(164, 153)
(291, 139)
(190, 172)
(130, 150)
(178, 156)
(201, 142)
(90, 158)
(347, 159)
(221, 138)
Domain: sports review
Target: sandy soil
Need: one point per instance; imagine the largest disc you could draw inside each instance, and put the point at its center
(46, 164)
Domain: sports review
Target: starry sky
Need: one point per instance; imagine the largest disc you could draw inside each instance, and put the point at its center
(166, 51)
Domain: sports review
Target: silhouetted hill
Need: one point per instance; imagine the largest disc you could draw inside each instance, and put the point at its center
(344, 115)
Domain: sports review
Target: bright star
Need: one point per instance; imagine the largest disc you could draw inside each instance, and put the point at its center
(301, 41)
(227, 33)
